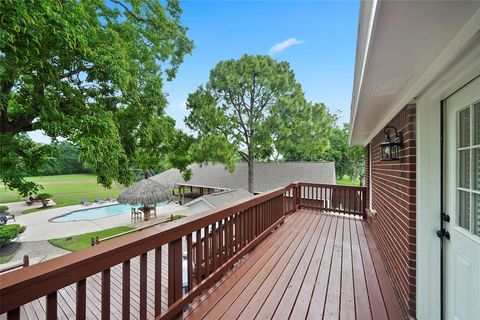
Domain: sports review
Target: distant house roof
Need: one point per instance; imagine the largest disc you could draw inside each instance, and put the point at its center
(268, 175)
(218, 199)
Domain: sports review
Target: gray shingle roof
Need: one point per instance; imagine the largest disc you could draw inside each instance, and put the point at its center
(268, 175)
(218, 199)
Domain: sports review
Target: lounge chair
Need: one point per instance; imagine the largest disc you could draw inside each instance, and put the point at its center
(110, 198)
(99, 200)
(85, 201)
(4, 217)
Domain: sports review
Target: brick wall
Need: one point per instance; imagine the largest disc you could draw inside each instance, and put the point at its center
(393, 198)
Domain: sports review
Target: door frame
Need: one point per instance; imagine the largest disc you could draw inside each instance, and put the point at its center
(443, 234)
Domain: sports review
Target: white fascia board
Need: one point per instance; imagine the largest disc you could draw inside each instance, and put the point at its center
(368, 16)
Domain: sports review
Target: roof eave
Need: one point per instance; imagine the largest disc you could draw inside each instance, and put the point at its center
(366, 26)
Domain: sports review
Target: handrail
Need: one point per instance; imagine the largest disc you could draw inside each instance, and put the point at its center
(21, 286)
(214, 241)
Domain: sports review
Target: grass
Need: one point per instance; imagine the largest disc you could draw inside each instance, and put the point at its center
(176, 217)
(66, 189)
(347, 181)
(5, 259)
(82, 241)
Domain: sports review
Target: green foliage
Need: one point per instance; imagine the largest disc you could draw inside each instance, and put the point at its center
(86, 72)
(4, 208)
(8, 232)
(349, 160)
(82, 241)
(43, 196)
(64, 160)
(302, 130)
(231, 113)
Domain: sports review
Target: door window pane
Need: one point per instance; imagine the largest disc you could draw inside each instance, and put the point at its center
(476, 124)
(476, 169)
(476, 214)
(464, 127)
(464, 210)
(464, 169)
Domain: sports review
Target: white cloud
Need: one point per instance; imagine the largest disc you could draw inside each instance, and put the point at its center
(284, 45)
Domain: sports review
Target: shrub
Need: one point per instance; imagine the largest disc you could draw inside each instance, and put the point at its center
(4, 208)
(43, 197)
(8, 232)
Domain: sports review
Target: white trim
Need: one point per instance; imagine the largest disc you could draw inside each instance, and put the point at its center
(364, 36)
(451, 52)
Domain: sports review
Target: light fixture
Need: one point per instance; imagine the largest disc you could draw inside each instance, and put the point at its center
(390, 148)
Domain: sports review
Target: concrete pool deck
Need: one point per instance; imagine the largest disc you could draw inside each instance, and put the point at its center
(40, 228)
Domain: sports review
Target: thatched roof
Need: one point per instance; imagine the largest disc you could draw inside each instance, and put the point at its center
(144, 192)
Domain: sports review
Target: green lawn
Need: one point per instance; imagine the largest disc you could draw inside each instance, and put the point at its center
(5, 259)
(82, 241)
(65, 189)
(347, 181)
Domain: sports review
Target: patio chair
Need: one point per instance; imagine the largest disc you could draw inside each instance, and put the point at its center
(85, 201)
(99, 200)
(110, 198)
(136, 215)
(4, 217)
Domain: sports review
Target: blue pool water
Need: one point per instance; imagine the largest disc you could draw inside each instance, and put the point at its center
(98, 212)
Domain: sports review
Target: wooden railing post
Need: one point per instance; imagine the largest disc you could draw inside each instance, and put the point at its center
(175, 271)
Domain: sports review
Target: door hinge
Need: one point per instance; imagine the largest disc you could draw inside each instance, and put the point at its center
(443, 234)
(445, 217)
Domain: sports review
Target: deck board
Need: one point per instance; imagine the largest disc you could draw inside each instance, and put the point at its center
(328, 270)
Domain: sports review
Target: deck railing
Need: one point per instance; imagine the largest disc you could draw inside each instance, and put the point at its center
(333, 198)
(214, 241)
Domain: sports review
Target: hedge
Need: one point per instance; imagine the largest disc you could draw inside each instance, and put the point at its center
(8, 232)
(3, 208)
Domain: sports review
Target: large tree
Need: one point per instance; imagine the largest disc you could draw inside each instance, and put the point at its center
(89, 71)
(231, 113)
(301, 131)
(349, 160)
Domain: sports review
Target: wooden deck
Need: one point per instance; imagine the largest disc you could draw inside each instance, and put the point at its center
(315, 266)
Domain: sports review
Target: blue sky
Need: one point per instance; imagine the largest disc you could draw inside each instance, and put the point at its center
(321, 34)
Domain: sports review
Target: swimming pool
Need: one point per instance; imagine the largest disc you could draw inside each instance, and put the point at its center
(98, 212)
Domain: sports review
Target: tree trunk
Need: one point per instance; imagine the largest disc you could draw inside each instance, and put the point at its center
(250, 173)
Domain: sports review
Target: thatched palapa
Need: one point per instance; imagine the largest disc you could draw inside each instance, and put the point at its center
(145, 192)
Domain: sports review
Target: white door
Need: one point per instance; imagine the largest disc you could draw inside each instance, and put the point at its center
(462, 203)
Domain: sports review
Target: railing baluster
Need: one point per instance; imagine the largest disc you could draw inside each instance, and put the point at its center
(198, 256)
(206, 248)
(220, 242)
(175, 271)
(143, 286)
(158, 278)
(189, 262)
(52, 306)
(81, 304)
(228, 240)
(13, 314)
(126, 290)
(106, 294)
(214, 246)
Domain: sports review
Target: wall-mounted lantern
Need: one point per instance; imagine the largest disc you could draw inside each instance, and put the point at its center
(390, 148)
